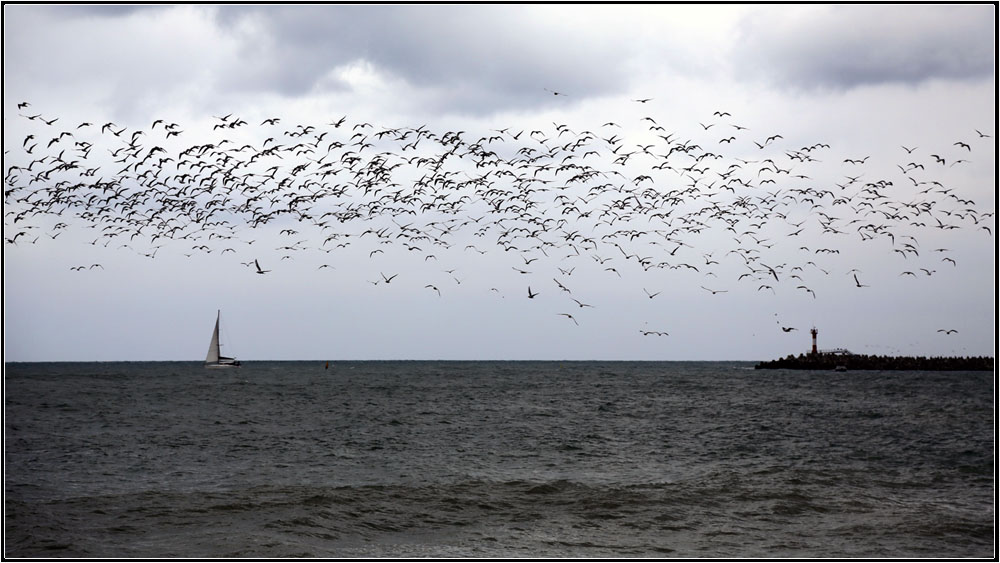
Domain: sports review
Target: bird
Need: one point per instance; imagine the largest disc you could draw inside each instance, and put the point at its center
(788, 328)
(533, 194)
(530, 294)
(714, 291)
(947, 331)
(570, 318)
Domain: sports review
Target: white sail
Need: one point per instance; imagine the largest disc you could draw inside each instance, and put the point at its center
(214, 358)
(213, 346)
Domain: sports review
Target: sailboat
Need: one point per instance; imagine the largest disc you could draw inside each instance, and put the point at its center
(214, 359)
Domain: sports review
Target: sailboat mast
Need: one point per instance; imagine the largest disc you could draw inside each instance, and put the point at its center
(218, 345)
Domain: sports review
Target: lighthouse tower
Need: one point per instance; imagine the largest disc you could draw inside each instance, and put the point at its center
(814, 332)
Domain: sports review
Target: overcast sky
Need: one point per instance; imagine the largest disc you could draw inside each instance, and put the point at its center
(887, 86)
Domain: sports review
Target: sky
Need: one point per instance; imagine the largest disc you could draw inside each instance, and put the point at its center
(738, 174)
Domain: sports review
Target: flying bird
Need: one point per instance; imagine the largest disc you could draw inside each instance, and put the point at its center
(570, 318)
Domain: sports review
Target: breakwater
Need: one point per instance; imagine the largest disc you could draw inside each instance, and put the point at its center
(866, 362)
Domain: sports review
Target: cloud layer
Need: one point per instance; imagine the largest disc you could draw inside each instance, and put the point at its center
(845, 47)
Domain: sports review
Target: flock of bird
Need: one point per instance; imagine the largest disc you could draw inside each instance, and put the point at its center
(638, 196)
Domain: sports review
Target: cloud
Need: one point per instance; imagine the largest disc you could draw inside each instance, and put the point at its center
(481, 58)
(466, 60)
(845, 47)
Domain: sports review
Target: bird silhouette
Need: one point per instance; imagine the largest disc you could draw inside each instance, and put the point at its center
(570, 317)
(554, 197)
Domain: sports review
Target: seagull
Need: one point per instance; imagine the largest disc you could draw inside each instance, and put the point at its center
(947, 331)
(530, 294)
(570, 318)
(259, 271)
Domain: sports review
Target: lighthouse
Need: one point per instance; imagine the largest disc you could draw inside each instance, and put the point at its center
(814, 332)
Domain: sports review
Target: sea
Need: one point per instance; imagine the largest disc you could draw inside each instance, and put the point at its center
(496, 459)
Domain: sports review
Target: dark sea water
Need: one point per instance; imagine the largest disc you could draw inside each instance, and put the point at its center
(495, 459)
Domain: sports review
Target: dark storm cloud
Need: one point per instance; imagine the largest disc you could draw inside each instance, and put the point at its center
(101, 10)
(843, 47)
(482, 58)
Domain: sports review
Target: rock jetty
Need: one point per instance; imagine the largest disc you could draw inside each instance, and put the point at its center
(865, 362)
